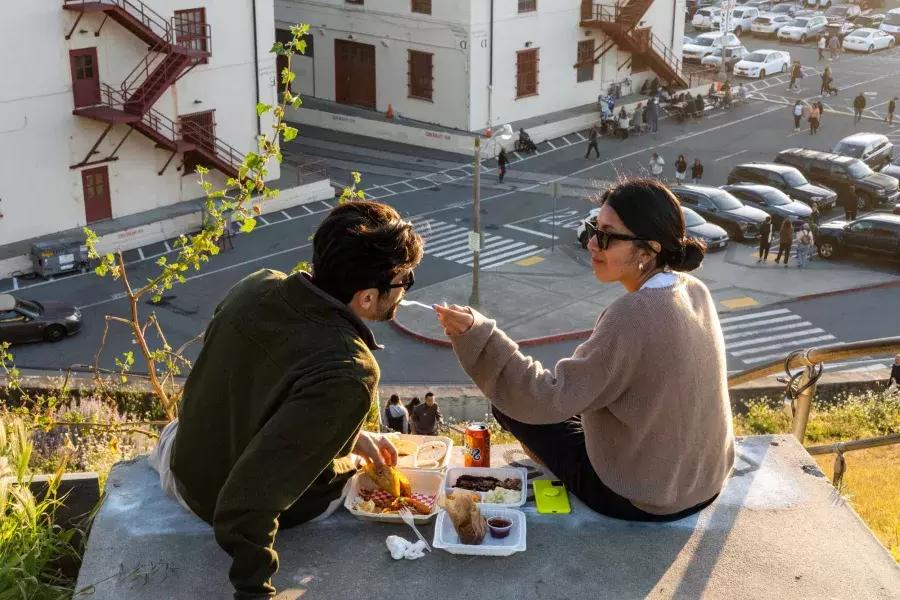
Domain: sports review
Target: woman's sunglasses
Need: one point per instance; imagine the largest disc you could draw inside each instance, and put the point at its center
(604, 237)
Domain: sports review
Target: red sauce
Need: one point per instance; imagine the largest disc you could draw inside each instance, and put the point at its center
(498, 522)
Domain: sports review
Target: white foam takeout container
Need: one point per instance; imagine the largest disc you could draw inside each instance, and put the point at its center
(500, 473)
(409, 461)
(422, 482)
(446, 538)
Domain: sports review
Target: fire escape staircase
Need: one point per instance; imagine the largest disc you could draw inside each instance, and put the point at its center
(174, 48)
(619, 20)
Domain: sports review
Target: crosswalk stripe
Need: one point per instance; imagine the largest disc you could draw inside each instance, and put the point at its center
(772, 338)
(758, 323)
(432, 230)
(489, 248)
(445, 236)
(506, 257)
(793, 343)
(767, 313)
(768, 357)
(448, 247)
(744, 334)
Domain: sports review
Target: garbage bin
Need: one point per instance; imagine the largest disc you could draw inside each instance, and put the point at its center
(59, 256)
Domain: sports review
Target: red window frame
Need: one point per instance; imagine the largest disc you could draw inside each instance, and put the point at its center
(190, 26)
(585, 64)
(527, 71)
(420, 75)
(421, 6)
(527, 6)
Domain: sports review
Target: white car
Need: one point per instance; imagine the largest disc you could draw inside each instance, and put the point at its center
(802, 29)
(763, 62)
(703, 18)
(818, 3)
(768, 24)
(706, 43)
(734, 53)
(868, 40)
(581, 230)
(741, 19)
(891, 24)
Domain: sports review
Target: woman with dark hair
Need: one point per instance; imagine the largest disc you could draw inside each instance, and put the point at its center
(396, 417)
(630, 441)
(409, 409)
(785, 241)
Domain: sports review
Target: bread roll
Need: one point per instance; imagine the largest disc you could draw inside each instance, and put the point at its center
(470, 526)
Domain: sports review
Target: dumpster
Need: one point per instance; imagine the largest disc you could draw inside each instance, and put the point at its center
(59, 256)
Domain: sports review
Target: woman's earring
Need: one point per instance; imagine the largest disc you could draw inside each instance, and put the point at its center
(641, 267)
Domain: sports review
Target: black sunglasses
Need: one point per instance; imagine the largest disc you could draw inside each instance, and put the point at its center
(603, 237)
(406, 284)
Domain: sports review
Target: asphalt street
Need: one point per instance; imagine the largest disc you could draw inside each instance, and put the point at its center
(520, 217)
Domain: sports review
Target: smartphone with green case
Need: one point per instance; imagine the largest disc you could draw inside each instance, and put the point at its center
(551, 497)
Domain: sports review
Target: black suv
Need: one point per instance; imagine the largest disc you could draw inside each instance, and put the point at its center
(876, 233)
(771, 201)
(840, 172)
(874, 149)
(787, 179)
(719, 207)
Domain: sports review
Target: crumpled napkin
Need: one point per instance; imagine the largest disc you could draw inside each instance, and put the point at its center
(400, 548)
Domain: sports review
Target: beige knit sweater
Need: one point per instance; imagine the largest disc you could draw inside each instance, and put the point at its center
(650, 384)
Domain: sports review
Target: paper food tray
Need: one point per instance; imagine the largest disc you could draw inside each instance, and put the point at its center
(445, 536)
(409, 461)
(500, 473)
(422, 482)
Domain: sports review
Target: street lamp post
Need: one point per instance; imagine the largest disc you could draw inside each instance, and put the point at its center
(475, 236)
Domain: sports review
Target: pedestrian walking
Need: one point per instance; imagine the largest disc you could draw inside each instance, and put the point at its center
(785, 241)
(805, 244)
(825, 88)
(822, 45)
(814, 215)
(849, 203)
(834, 45)
(680, 168)
(699, 105)
(814, 119)
(892, 106)
(502, 161)
(859, 104)
(893, 382)
(696, 171)
(656, 165)
(427, 417)
(798, 114)
(796, 73)
(652, 114)
(623, 123)
(765, 239)
(593, 134)
(637, 119)
(396, 417)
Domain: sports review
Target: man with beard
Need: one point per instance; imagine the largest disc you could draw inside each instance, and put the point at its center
(270, 422)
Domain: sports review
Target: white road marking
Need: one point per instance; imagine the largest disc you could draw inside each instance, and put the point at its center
(15, 282)
(744, 334)
(771, 338)
(531, 231)
(780, 355)
(796, 343)
(729, 156)
(566, 140)
(580, 137)
(758, 323)
(286, 216)
(262, 219)
(549, 143)
(778, 311)
(166, 244)
(140, 252)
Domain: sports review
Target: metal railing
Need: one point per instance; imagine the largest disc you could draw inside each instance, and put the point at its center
(314, 170)
(148, 17)
(161, 125)
(211, 145)
(626, 13)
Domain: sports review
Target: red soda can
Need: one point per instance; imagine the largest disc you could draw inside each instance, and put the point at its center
(478, 445)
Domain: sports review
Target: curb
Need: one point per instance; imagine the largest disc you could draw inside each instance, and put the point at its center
(872, 286)
(537, 341)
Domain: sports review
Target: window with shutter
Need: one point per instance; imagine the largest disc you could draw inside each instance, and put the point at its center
(527, 5)
(190, 29)
(420, 75)
(421, 6)
(527, 73)
(585, 60)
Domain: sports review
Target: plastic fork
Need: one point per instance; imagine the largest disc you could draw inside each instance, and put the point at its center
(407, 517)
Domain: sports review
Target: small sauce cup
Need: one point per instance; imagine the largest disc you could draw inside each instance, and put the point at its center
(499, 527)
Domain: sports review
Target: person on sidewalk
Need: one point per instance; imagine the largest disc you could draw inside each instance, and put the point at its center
(796, 73)
(593, 136)
(814, 214)
(409, 409)
(859, 104)
(681, 167)
(849, 202)
(396, 417)
(798, 114)
(630, 440)
(657, 164)
(785, 241)
(427, 417)
(699, 106)
(813, 119)
(652, 115)
(822, 45)
(502, 161)
(805, 245)
(894, 378)
(825, 88)
(834, 45)
(637, 120)
(765, 240)
(891, 108)
(696, 171)
(623, 123)
(272, 410)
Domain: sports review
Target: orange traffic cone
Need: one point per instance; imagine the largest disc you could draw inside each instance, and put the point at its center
(390, 112)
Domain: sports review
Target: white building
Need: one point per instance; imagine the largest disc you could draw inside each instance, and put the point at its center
(109, 104)
(467, 64)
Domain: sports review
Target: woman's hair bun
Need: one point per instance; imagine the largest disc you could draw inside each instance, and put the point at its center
(688, 257)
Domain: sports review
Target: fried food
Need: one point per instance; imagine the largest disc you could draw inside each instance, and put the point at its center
(405, 446)
(470, 526)
(430, 454)
(390, 480)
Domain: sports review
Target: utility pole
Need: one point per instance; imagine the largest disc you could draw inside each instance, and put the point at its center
(555, 200)
(475, 235)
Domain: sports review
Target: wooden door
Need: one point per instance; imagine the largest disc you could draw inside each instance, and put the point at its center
(95, 183)
(85, 77)
(354, 72)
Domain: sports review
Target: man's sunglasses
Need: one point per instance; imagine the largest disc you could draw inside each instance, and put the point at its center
(406, 284)
(603, 237)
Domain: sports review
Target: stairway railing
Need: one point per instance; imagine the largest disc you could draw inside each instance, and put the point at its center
(151, 19)
(159, 123)
(197, 135)
(142, 70)
(627, 14)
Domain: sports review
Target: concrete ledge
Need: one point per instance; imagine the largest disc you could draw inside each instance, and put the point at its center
(778, 530)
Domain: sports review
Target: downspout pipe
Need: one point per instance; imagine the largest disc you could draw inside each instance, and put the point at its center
(491, 71)
(256, 68)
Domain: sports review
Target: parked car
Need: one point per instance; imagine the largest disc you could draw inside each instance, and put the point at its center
(698, 227)
(705, 43)
(687, 40)
(802, 29)
(768, 25)
(842, 12)
(733, 54)
(869, 40)
(581, 231)
(871, 20)
(893, 169)
(718, 206)
(818, 3)
(786, 8)
(841, 29)
(741, 19)
(840, 172)
(874, 149)
(875, 233)
(763, 62)
(703, 18)
(760, 5)
(771, 201)
(31, 321)
(787, 179)
(891, 23)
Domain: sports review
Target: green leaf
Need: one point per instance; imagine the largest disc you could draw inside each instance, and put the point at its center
(262, 108)
(162, 261)
(277, 48)
(248, 225)
(290, 133)
(287, 76)
(156, 298)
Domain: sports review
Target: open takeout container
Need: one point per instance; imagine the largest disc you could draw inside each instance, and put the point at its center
(426, 483)
(446, 538)
(405, 441)
(500, 473)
